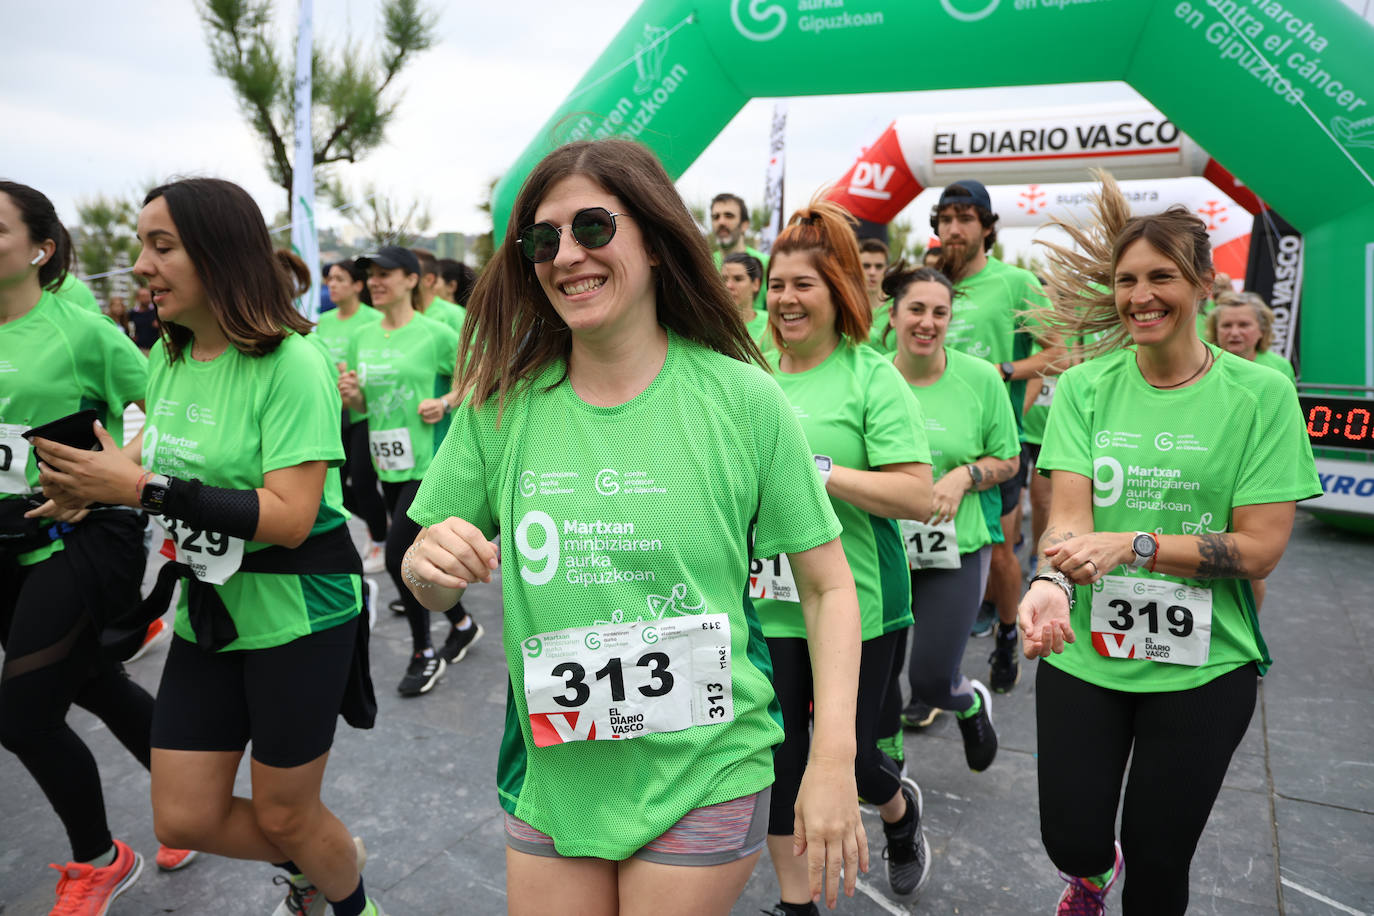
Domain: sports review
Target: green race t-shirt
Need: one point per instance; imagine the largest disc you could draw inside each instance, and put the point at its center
(1277, 363)
(856, 408)
(332, 333)
(227, 423)
(74, 290)
(987, 322)
(641, 512)
(450, 314)
(761, 298)
(1176, 462)
(878, 336)
(758, 329)
(967, 417)
(397, 369)
(58, 359)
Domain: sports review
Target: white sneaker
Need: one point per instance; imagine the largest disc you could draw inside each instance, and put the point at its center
(374, 558)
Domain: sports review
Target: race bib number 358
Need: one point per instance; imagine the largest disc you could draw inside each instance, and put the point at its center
(1152, 619)
(610, 683)
(391, 449)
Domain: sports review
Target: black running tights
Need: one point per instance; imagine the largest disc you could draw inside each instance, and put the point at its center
(1179, 745)
(52, 661)
(875, 772)
(360, 486)
(399, 496)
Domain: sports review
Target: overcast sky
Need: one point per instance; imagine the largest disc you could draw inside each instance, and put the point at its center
(108, 95)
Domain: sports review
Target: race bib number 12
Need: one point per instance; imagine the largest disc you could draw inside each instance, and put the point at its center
(931, 546)
(621, 681)
(1152, 619)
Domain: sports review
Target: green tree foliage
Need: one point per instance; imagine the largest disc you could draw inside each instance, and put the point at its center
(106, 230)
(486, 244)
(351, 104)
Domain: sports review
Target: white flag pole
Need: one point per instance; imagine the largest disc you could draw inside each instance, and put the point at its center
(305, 240)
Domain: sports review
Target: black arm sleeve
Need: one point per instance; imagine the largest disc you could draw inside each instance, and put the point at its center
(231, 512)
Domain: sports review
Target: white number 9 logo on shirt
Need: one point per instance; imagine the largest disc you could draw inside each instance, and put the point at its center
(1107, 486)
(547, 552)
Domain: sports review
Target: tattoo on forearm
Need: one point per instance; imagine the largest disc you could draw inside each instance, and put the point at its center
(1051, 537)
(1220, 558)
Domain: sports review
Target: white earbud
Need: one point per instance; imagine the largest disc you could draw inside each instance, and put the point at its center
(36, 258)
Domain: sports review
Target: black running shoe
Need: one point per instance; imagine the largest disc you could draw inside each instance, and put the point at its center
(396, 607)
(792, 909)
(459, 641)
(907, 852)
(421, 674)
(1006, 669)
(980, 738)
(918, 715)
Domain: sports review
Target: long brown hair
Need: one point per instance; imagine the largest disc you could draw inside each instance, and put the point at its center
(825, 231)
(1082, 282)
(512, 332)
(247, 285)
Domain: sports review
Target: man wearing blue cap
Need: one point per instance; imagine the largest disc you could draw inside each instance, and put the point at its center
(987, 323)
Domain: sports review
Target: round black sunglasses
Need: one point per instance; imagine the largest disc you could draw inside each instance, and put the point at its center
(592, 227)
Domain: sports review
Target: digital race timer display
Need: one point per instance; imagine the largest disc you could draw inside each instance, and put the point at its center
(1339, 422)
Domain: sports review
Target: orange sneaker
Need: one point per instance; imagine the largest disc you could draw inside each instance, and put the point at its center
(84, 890)
(169, 859)
(157, 632)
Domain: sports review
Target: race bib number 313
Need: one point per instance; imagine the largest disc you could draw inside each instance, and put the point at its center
(1152, 619)
(619, 681)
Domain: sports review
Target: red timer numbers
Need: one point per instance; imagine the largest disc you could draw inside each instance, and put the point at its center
(1339, 422)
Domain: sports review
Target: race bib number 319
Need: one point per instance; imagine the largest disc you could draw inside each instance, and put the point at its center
(1152, 619)
(610, 683)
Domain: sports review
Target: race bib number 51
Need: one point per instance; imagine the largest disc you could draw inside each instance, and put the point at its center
(772, 578)
(621, 681)
(1152, 619)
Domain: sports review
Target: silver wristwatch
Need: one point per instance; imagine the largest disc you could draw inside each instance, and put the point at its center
(1061, 580)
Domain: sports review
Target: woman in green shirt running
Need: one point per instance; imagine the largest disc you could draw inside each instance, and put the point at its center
(865, 428)
(617, 438)
(743, 276)
(974, 446)
(1176, 467)
(238, 461)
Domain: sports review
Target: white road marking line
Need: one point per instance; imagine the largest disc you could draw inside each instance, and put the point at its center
(895, 910)
(1335, 904)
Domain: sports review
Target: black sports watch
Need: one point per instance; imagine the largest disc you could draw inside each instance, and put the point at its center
(1008, 370)
(154, 493)
(1145, 547)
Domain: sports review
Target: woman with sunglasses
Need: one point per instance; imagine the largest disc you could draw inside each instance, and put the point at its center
(243, 426)
(346, 283)
(743, 276)
(865, 428)
(617, 438)
(400, 373)
(1176, 467)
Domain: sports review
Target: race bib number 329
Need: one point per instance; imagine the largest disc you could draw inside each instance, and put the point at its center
(1152, 619)
(620, 681)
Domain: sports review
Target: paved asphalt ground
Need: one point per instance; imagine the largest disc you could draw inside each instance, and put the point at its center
(1292, 833)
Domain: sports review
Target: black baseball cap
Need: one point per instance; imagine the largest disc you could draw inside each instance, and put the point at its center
(391, 257)
(967, 191)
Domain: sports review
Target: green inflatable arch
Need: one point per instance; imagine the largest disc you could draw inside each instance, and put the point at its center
(1280, 91)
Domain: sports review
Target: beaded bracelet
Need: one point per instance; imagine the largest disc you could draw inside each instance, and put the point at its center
(408, 572)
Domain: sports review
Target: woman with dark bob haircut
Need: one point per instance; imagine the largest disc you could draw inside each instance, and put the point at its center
(620, 438)
(238, 461)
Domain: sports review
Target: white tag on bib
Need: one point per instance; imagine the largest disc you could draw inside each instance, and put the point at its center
(1152, 619)
(14, 459)
(1046, 395)
(772, 578)
(931, 546)
(619, 681)
(391, 449)
(212, 555)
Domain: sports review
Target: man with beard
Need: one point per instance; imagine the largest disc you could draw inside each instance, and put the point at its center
(987, 322)
(729, 222)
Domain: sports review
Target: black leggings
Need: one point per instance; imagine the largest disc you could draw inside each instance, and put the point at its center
(1179, 745)
(876, 773)
(399, 496)
(360, 483)
(52, 660)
